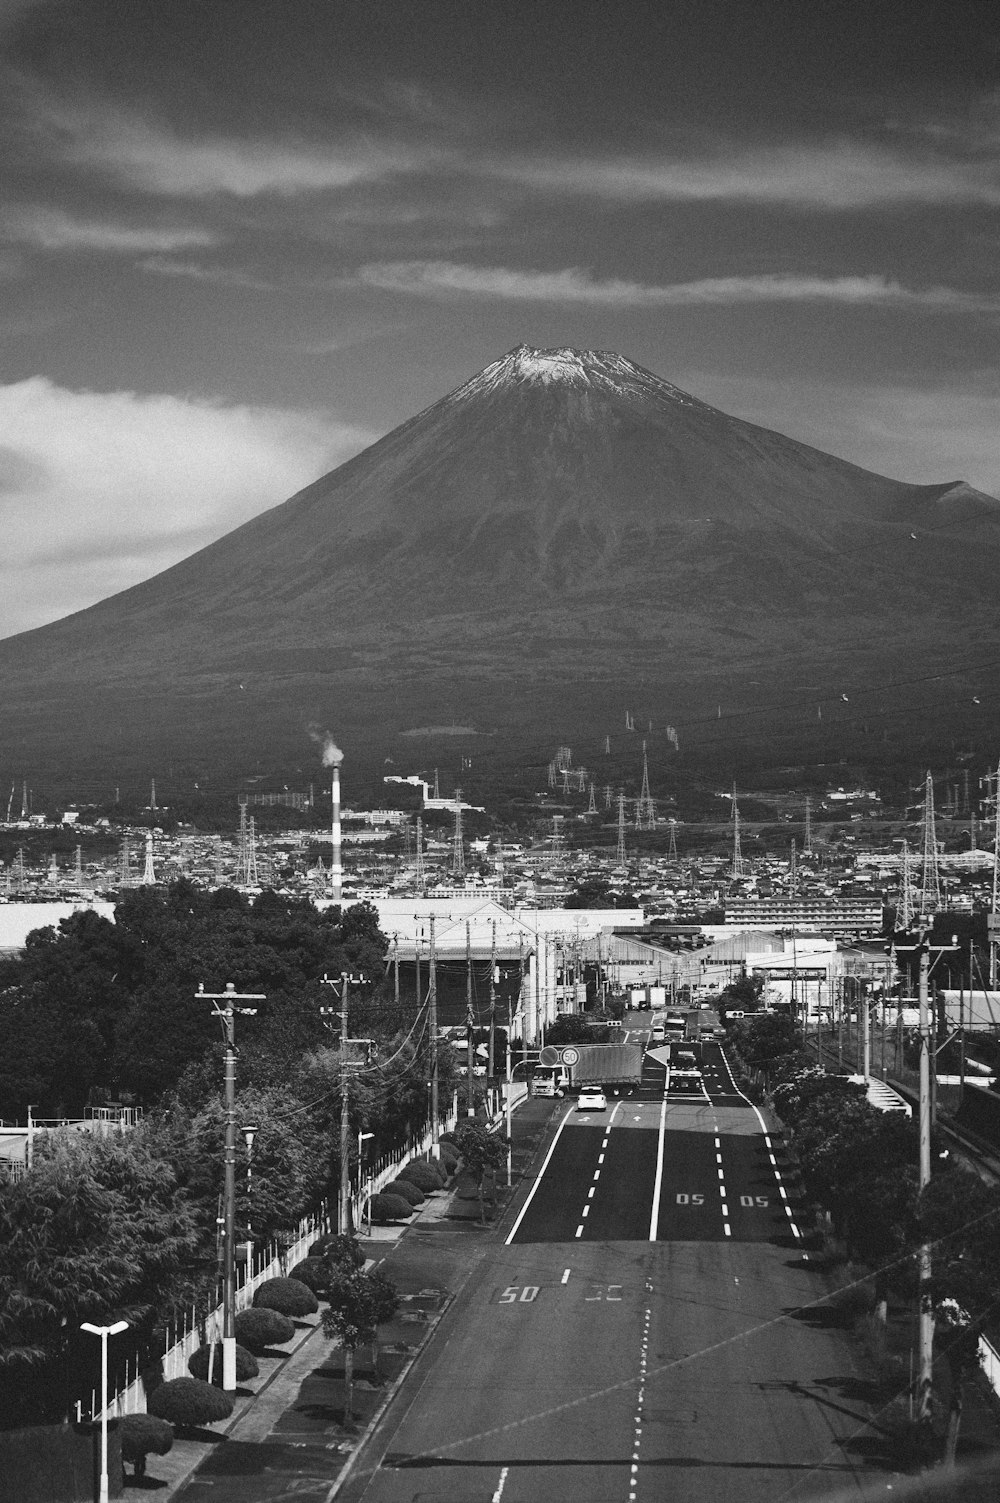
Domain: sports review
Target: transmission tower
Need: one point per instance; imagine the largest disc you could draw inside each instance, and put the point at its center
(807, 839)
(418, 869)
(20, 881)
(152, 794)
(621, 829)
(793, 876)
(739, 865)
(252, 877)
(552, 774)
(592, 806)
(125, 863)
(457, 846)
(905, 906)
(437, 785)
(607, 796)
(645, 811)
(564, 773)
(242, 854)
(930, 877)
(148, 874)
(607, 746)
(672, 850)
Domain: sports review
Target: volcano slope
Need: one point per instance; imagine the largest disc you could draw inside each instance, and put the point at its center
(563, 537)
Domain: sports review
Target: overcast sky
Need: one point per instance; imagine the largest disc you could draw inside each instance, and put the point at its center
(240, 239)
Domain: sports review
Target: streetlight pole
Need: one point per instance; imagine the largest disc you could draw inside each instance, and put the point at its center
(249, 1133)
(363, 1138)
(226, 1013)
(104, 1332)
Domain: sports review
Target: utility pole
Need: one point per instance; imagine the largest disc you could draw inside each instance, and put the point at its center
(926, 1318)
(395, 971)
(432, 1025)
(470, 1023)
(491, 1062)
(344, 1185)
(225, 1010)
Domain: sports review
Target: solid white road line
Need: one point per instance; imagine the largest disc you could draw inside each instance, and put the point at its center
(500, 1485)
(658, 1182)
(531, 1193)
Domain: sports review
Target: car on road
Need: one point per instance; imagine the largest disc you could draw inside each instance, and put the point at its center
(592, 1101)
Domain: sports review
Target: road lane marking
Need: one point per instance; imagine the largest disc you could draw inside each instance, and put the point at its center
(658, 1181)
(579, 1231)
(541, 1174)
(767, 1141)
(500, 1485)
(565, 1277)
(590, 1193)
(585, 1211)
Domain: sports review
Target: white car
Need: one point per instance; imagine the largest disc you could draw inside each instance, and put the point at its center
(592, 1101)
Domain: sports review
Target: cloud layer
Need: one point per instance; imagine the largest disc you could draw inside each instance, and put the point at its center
(444, 279)
(99, 490)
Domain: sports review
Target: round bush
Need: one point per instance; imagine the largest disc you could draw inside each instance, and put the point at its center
(447, 1137)
(142, 1434)
(246, 1364)
(407, 1189)
(341, 1248)
(187, 1403)
(383, 1208)
(423, 1176)
(314, 1273)
(449, 1154)
(289, 1297)
(260, 1328)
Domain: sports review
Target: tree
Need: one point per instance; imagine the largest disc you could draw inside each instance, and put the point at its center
(570, 1029)
(742, 994)
(484, 1152)
(959, 1216)
(762, 1040)
(359, 1303)
(98, 1226)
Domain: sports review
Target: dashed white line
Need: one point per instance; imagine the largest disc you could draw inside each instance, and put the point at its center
(500, 1485)
(566, 1274)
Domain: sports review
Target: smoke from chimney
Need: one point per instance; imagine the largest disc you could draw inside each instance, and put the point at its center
(332, 754)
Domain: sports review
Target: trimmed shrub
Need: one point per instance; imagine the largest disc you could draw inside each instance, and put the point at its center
(407, 1189)
(259, 1328)
(449, 1156)
(142, 1434)
(314, 1273)
(246, 1364)
(423, 1175)
(447, 1137)
(188, 1403)
(383, 1208)
(289, 1297)
(342, 1249)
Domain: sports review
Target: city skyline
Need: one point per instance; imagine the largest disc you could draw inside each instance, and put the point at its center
(241, 243)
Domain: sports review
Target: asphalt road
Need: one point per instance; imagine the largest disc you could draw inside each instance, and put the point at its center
(647, 1328)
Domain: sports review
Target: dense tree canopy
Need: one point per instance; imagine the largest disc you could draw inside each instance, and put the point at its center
(102, 1010)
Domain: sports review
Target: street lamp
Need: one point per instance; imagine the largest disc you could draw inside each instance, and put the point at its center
(249, 1133)
(363, 1137)
(104, 1332)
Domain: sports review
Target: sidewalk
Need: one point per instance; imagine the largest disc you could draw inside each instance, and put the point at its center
(291, 1423)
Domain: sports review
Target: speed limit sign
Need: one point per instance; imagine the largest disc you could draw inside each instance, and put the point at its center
(571, 1056)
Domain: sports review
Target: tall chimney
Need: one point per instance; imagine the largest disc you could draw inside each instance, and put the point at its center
(336, 866)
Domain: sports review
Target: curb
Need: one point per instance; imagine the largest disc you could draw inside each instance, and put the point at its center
(387, 1398)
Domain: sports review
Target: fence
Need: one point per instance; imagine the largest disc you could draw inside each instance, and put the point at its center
(277, 1257)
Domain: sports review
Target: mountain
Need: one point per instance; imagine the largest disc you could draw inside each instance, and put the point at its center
(561, 538)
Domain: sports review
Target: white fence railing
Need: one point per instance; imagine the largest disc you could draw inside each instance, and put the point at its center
(276, 1260)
